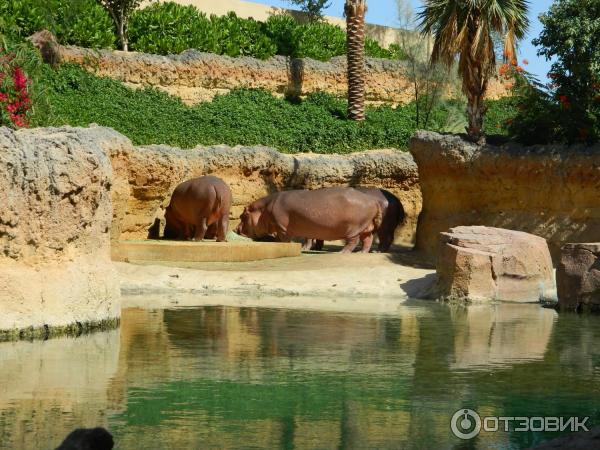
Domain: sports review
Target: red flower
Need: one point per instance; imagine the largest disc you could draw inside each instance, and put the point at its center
(3, 97)
(519, 69)
(19, 79)
(526, 61)
(563, 99)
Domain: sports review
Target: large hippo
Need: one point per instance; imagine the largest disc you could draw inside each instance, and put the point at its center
(327, 214)
(197, 205)
(392, 212)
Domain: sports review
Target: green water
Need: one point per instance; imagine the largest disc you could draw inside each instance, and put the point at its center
(225, 377)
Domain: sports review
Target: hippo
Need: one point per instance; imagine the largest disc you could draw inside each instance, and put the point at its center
(393, 215)
(199, 208)
(88, 439)
(326, 214)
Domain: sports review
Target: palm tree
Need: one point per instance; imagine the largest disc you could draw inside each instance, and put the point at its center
(464, 28)
(355, 11)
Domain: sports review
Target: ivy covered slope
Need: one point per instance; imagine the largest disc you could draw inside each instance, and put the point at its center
(170, 28)
(243, 117)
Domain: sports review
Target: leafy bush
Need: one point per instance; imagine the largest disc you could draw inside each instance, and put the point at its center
(168, 27)
(74, 22)
(318, 40)
(164, 28)
(242, 37)
(568, 110)
(243, 117)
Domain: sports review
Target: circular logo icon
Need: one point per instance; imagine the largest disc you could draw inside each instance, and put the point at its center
(465, 424)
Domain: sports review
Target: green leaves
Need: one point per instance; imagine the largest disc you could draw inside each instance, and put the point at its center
(242, 117)
(74, 22)
(165, 28)
(571, 36)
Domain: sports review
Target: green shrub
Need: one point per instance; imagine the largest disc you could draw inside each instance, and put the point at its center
(170, 28)
(321, 41)
(280, 29)
(242, 37)
(165, 28)
(242, 117)
(74, 22)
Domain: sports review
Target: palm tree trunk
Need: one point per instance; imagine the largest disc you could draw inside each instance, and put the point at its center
(475, 89)
(355, 31)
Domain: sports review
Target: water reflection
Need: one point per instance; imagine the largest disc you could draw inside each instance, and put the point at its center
(230, 377)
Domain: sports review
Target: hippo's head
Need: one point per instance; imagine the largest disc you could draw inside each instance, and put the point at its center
(249, 224)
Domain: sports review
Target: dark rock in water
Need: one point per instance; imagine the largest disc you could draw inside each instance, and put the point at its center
(577, 441)
(578, 277)
(88, 439)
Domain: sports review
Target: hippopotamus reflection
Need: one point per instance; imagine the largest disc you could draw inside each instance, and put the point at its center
(393, 215)
(326, 214)
(199, 208)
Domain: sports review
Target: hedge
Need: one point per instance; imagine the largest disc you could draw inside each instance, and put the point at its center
(167, 28)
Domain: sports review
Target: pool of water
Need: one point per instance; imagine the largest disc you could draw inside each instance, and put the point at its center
(245, 377)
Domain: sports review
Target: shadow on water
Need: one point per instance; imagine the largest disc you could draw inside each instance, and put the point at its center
(223, 377)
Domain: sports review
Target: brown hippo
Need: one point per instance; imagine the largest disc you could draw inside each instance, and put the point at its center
(393, 215)
(198, 206)
(327, 214)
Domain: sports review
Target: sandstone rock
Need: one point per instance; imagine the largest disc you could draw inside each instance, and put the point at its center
(549, 191)
(55, 221)
(196, 77)
(480, 263)
(578, 277)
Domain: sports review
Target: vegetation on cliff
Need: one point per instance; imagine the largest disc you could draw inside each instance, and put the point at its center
(243, 117)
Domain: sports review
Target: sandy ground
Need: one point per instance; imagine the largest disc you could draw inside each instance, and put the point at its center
(397, 276)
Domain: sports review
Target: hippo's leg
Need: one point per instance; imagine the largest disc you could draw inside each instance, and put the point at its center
(188, 232)
(318, 245)
(222, 228)
(201, 230)
(367, 242)
(350, 245)
(283, 237)
(307, 245)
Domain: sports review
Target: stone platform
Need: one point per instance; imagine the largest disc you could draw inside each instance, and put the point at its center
(157, 251)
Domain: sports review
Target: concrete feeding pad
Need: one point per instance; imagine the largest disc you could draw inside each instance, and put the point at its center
(207, 251)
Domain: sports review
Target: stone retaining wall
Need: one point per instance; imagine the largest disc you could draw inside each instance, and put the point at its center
(196, 77)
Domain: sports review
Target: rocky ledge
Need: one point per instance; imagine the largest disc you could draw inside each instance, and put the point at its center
(549, 191)
(55, 269)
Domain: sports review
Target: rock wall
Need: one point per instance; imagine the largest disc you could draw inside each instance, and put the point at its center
(196, 77)
(145, 178)
(548, 191)
(55, 220)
